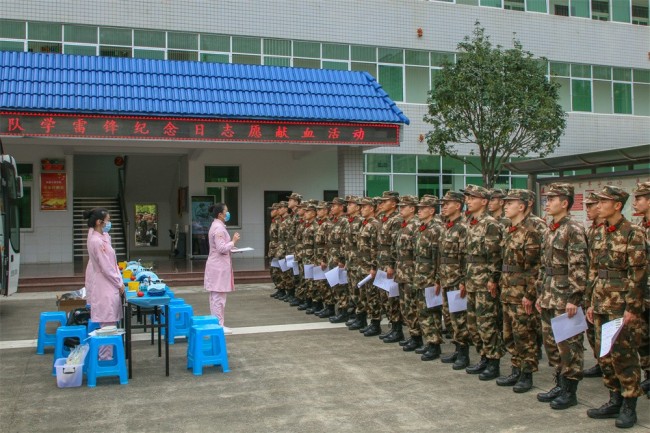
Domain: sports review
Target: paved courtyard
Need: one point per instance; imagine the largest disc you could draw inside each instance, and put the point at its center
(290, 372)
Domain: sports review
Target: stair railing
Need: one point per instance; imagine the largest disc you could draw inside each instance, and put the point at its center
(121, 175)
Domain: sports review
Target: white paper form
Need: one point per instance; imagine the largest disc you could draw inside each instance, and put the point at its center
(456, 303)
(364, 281)
(290, 260)
(565, 328)
(382, 281)
(393, 289)
(343, 276)
(283, 265)
(333, 276)
(241, 250)
(296, 268)
(275, 263)
(431, 298)
(319, 274)
(608, 335)
(309, 272)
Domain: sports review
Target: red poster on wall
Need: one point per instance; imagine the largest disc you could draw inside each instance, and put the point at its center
(53, 191)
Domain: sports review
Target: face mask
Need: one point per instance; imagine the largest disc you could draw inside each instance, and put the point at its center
(107, 227)
(227, 217)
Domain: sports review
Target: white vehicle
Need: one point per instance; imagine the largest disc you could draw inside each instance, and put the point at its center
(11, 189)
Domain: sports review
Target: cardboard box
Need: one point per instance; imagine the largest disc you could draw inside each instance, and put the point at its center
(68, 305)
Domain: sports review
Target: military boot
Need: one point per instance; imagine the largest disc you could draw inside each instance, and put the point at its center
(451, 358)
(432, 352)
(360, 322)
(385, 334)
(280, 293)
(315, 306)
(524, 384)
(403, 342)
(365, 328)
(352, 317)
(416, 341)
(627, 417)
(295, 302)
(594, 371)
(567, 397)
(610, 409)
(327, 312)
(275, 294)
(341, 317)
(645, 385)
(306, 304)
(510, 379)
(396, 334)
(479, 367)
(546, 397)
(284, 296)
(373, 329)
(492, 371)
(290, 296)
(462, 360)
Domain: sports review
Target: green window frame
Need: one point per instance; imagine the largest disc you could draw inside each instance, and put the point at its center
(12, 29)
(581, 95)
(79, 33)
(622, 98)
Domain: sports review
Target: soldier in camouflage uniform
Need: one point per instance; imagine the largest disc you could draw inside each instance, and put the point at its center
(482, 274)
(322, 241)
(307, 251)
(335, 255)
(288, 238)
(522, 246)
(285, 243)
(495, 207)
(642, 208)
(451, 265)
(591, 205)
(619, 265)
(276, 276)
(352, 264)
(404, 270)
(390, 224)
(369, 302)
(427, 241)
(560, 289)
(299, 280)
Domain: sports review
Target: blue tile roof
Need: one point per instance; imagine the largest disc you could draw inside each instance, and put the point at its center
(86, 84)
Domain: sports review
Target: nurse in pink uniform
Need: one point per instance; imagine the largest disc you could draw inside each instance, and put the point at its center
(104, 280)
(219, 277)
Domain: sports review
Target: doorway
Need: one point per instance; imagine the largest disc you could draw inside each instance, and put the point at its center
(271, 197)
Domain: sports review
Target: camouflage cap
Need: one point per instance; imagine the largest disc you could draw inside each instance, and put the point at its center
(322, 205)
(615, 193)
(310, 205)
(352, 199)
(518, 194)
(274, 206)
(283, 204)
(367, 201)
(592, 198)
(556, 189)
(454, 196)
(428, 200)
(497, 193)
(338, 200)
(295, 196)
(642, 188)
(389, 195)
(408, 200)
(476, 191)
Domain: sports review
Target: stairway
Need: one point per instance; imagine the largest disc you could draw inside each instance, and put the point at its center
(112, 205)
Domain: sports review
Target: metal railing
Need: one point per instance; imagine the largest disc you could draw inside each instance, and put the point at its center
(121, 176)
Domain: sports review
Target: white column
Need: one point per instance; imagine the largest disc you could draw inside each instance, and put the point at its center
(351, 180)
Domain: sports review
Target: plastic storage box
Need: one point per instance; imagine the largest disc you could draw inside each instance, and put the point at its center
(68, 376)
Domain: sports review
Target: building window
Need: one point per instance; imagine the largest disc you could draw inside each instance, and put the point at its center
(581, 95)
(391, 79)
(600, 10)
(621, 11)
(223, 182)
(514, 5)
(25, 207)
(640, 12)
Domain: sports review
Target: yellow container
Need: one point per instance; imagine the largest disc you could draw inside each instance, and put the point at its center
(134, 286)
(127, 274)
(122, 265)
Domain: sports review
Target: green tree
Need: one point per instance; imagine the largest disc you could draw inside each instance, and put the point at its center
(499, 102)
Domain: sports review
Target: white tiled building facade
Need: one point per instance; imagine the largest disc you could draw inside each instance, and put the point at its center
(601, 49)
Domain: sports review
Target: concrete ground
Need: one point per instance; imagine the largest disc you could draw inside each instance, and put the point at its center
(290, 372)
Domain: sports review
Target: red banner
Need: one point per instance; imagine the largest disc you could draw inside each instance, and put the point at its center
(53, 191)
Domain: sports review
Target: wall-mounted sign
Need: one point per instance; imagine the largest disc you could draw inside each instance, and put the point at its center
(52, 164)
(53, 191)
(220, 130)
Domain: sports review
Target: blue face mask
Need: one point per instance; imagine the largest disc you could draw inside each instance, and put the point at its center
(227, 218)
(107, 227)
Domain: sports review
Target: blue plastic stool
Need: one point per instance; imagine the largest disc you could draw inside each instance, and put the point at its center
(114, 367)
(199, 321)
(63, 332)
(179, 321)
(93, 325)
(45, 339)
(214, 354)
(177, 301)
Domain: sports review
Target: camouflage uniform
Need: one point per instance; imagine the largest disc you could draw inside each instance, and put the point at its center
(286, 234)
(522, 245)
(591, 232)
(562, 280)
(451, 265)
(643, 337)
(351, 260)
(308, 251)
(367, 247)
(336, 254)
(300, 282)
(390, 225)
(274, 230)
(619, 267)
(483, 264)
(427, 241)
(405, 268)
(322, 288)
